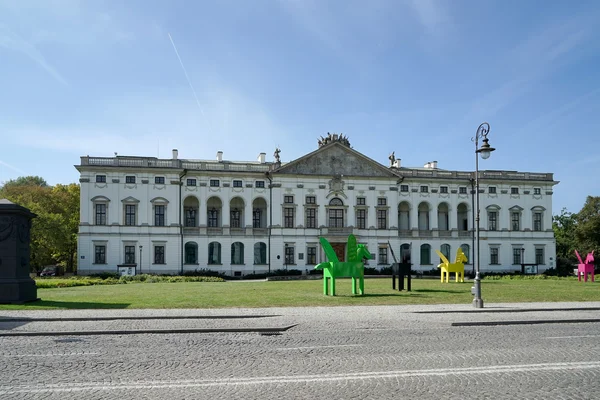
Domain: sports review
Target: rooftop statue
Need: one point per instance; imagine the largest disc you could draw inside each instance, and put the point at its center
(276, 155)
(322, 141)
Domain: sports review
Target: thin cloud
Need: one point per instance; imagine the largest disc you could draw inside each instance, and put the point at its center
(11, 41)
(430, 14)
(12, 167)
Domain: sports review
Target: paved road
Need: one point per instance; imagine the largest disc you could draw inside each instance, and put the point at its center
(340, 353)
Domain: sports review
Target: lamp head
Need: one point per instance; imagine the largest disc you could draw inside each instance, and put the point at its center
(486, 149)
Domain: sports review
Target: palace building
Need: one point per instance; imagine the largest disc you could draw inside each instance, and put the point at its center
(169, 216)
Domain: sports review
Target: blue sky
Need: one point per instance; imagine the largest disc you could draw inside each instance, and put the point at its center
(416, 77)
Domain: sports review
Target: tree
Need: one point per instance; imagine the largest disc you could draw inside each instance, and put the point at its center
(54, 230)
(588, 225)
(564, 226)
(26, 181)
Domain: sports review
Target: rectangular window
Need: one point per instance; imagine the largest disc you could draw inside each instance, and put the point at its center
(130, 214)
(237, 183)
(288, 217)
(130, 179)
(259, 184)
(311, 255)
(190, 217)
(462, 190)
(129, 254)
(336, 218)
(100, 255)
(288, 199)
(159, 254)
(539, 256)
(492, 220)
(100, 214)
(443, 189)
(213, 218)
(381, 219)
(424, 189)
(100, 178)
(159, 180)
(537, 191)
(311, 200)
(494, 260)
(515, 221)
(361, 219)
(214, 183)
(382, 201)
(361, 201)
(383, 255)
(514, 190)
(159, 215)
(492, 189)
(311, 218)
(537, 221)
(404, 188)
(191, 182)
(256, 218)
(289, 255)
(235, 218)
(517, 256)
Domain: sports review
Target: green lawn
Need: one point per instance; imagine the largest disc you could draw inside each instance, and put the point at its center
(305, 293)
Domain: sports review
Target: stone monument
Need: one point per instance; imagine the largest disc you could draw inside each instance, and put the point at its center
(16, 286)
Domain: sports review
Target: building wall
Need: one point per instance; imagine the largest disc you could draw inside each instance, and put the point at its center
(177, 193)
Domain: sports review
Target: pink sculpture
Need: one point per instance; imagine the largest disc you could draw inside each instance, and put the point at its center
(585, 268)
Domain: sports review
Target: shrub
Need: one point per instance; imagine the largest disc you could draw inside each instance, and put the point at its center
(386, 271)
(203, 272)
(49, 283)
(105, 275)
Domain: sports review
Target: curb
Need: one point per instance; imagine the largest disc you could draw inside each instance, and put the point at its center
(531, 322)
(494, 310)
(169, 317)
(150, 331)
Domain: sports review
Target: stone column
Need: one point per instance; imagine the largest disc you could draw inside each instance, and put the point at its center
(16, 286)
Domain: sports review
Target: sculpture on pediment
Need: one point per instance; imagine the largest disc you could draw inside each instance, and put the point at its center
(322, 141)
(276, 155)
(392, 159)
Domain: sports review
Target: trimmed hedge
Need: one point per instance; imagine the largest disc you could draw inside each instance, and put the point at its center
(109, 279)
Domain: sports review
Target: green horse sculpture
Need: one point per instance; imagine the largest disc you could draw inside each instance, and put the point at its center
(353, 267)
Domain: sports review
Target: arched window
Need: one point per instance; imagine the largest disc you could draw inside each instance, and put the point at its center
(214, 253)
(336, 213)
(191, 253)
(467, 250)
(423, 217)
(405, 253)
(445, 250)
(260, 253)
(237, 253)
(462, 217)
(425, 254)
(443, 219)
(404, 216)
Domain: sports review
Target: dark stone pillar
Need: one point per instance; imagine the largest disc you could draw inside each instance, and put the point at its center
(16, 286)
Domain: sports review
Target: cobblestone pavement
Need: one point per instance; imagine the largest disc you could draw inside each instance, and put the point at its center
(336, 353)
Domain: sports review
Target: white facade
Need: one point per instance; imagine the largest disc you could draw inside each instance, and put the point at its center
(170, 216)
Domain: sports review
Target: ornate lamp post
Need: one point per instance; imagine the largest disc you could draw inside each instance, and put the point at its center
(286, 256)
(485, 151)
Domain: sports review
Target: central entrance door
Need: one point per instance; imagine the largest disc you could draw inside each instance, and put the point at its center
(340, 250)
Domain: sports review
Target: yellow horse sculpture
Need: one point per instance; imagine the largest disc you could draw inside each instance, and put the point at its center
(458, 266)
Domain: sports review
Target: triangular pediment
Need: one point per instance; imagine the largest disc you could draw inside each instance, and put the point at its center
(336, 159)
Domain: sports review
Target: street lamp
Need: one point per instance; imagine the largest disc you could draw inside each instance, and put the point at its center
(286, 256)
(485, 151)
(141, 258)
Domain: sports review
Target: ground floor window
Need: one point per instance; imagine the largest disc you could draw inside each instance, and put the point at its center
(191, 253)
